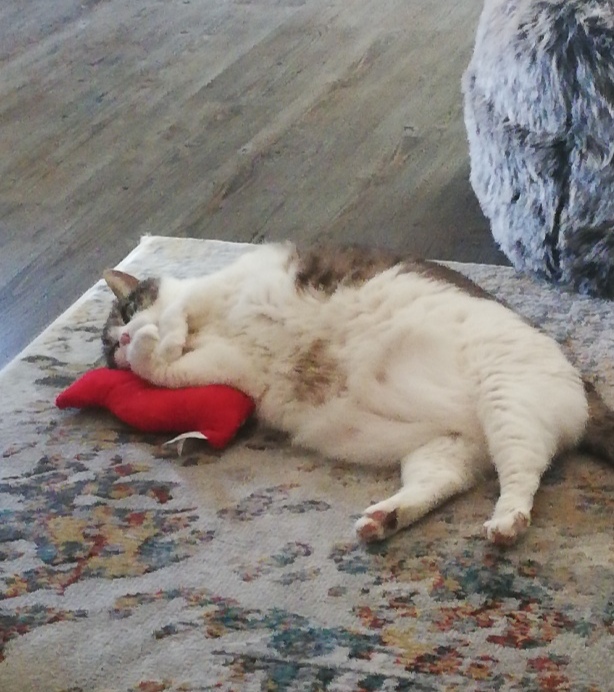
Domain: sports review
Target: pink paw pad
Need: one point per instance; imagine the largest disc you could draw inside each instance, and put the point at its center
(506, 533)
(377, 525)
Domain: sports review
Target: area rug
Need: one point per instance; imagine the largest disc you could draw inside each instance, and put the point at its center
(126, 565)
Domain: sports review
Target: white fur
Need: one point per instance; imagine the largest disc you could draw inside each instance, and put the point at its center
(443, 382)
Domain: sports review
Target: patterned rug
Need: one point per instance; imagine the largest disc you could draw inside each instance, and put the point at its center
(127, 566)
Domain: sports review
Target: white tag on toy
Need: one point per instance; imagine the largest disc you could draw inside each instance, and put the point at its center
(181, 439)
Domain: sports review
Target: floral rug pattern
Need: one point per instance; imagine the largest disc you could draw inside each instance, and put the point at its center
(126, 566)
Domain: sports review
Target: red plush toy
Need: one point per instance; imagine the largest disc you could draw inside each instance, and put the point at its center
(215, 411)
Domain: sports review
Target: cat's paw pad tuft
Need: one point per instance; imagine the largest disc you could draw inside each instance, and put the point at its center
(376, 525)
(505, 530)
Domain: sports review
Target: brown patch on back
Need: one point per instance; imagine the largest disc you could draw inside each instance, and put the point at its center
(317, 374)
(443, 274)
(599, 435)
(326, 268)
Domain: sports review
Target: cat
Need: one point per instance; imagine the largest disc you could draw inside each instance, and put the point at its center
(371, 358)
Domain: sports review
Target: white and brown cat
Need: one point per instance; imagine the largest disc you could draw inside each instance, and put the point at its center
(367, 357)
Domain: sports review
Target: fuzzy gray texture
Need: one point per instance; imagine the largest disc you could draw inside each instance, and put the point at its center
(539, 113)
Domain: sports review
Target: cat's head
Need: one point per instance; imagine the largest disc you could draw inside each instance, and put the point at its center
(132, 296)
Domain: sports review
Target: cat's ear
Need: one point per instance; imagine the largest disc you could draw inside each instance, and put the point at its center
(120, 283)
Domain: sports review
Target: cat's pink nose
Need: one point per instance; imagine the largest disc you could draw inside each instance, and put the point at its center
(124, 339)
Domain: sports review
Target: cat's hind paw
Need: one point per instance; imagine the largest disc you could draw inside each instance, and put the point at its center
(376, 524)
(505, 530)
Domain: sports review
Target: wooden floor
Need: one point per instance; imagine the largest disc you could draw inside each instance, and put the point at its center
(230, 119)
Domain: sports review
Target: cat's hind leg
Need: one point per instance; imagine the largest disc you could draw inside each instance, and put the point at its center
(442, 468)
(519, 480)
(520, 468)
(524, 433)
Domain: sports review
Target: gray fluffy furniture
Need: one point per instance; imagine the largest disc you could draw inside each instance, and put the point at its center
(539, 113)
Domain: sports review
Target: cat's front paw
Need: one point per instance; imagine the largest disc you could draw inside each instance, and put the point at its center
(506, 529)
(142, 346)
(171, 348)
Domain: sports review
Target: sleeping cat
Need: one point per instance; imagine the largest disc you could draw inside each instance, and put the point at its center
(369, 358)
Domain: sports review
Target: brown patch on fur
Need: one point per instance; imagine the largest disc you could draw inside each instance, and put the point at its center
(443, 274)
(391, 521)
(110, 343)
(381, 375)
(599, 435)
(317, 375)
(326, 269)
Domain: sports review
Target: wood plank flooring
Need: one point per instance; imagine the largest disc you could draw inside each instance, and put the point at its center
(238, 120)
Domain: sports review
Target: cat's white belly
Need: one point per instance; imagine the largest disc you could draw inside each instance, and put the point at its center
(342, 431)
(382, 427)
(376, 398)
